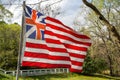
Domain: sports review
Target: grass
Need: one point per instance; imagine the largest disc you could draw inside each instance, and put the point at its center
(6, 77)
(70, 76)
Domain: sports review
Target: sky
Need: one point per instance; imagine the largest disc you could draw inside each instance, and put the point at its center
(69, 7)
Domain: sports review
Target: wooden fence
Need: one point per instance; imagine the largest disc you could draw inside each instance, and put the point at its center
(34, 72)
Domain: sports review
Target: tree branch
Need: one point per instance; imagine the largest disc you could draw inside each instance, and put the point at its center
(105, 21)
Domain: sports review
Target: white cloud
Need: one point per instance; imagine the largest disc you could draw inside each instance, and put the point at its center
(69, 7)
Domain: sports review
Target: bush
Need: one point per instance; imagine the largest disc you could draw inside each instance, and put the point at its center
(95, 65)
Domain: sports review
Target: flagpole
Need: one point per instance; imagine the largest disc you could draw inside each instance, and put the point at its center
(21, 43)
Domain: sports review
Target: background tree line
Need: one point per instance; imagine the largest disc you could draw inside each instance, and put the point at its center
(9, 40)
(104, 54)
(105, 51)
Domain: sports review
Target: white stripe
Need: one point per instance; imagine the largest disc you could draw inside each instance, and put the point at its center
(32, 25)
(30, 31)
(74, 44)
(35, 41)
(43, 42)
(40, 18)
(56, 45)
(65, 41)
(46, 52)
(76, 67)
(36, 50)
(77, 59)
(77, 51)
(51, 37)
(46, 60)
(68, 35)
(27, 11)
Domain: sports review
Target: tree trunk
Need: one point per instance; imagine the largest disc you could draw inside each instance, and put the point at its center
(110, 65)
(109, 26)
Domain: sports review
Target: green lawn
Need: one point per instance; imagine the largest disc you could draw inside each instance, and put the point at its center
(6, 77)
(60, 77)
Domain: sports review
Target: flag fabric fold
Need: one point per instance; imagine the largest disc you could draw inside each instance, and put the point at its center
(51, 44)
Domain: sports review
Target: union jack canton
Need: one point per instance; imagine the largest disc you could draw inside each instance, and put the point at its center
(35, 24)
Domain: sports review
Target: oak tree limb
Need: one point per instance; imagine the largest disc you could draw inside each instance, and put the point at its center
(109, 26)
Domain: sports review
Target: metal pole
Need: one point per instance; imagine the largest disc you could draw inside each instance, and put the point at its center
(21, 43)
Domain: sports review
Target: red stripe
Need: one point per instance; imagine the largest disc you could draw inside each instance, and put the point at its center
(41, 46)
(70, 46)
(77, 63)
(35, 45)
(54, 20)
(45, 56)
(68, 31)
(75, 70)
(44, 65)
(77, 55)
(66, 38)
(50, 40)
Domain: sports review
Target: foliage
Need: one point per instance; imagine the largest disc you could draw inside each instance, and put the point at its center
(88, 67)
(104, 50)
(4, 13)
(9, 42)
(93, 65)
(110, 10)
(6, 77)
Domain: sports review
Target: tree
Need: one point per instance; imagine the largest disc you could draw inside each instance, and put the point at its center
(103, 45)
(109, 26)
(93, 65)
(5, 14)
(51, 9)
(9, 40)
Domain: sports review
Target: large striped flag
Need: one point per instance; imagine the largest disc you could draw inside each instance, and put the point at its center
(51, 44)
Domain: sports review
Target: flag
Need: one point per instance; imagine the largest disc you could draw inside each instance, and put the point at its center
(51, 44)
